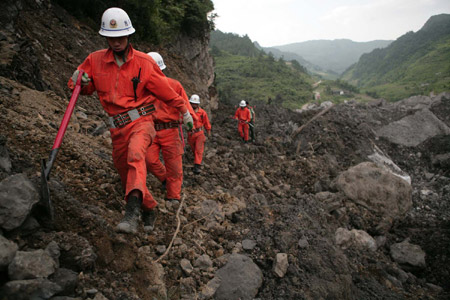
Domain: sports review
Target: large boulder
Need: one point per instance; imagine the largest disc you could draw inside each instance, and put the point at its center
(17, 197)
(240, 278)
(374, 196)
(414, 129)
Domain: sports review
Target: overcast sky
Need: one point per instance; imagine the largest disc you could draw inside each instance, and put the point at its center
(280, 22)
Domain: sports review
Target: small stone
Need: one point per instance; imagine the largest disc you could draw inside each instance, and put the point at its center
(203, 262)
(303, 243)
(280, 264)
(91, 292)
(186, 266)
(160, 249)
(248, 244)
(210, 288)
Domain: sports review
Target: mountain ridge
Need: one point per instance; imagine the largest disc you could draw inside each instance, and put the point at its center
(332, 55)
(416, 63)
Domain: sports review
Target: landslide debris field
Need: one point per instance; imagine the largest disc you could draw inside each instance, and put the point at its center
(349, 229)
(350, 204)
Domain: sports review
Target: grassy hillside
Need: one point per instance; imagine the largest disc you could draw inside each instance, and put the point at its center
(247, 73)
(416, 63)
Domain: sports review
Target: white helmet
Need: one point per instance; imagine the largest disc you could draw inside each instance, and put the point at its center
(115, 23)
(243, 104)
(195, 99)
(158, 59)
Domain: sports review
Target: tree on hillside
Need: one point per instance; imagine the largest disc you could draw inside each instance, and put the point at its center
(155, 21)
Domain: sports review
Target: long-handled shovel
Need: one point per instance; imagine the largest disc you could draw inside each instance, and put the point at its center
(46, 167)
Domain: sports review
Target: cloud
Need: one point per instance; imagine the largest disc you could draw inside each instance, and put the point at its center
(277, 22)
(380, 19)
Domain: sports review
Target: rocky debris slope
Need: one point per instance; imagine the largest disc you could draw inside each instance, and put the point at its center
(351, 204)
(42, 44)
(296, 215)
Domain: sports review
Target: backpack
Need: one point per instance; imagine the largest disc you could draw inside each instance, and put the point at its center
(252, 113)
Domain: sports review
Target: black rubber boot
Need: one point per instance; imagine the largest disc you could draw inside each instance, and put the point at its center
(196, 169)
(130, 221)
(149, 218)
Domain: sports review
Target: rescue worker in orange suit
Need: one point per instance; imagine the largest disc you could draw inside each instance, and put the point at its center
(244, 117)
(128, 83)
(167, 140)
(196, 137)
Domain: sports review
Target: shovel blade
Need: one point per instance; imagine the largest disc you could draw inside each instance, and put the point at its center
(46, 202)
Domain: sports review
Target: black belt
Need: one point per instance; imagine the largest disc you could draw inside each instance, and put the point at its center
(125, 118)
(196, 130)
(161, 126)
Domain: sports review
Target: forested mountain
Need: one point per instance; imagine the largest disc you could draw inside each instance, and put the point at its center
(332, 56)
(416, 63)
(233, 44)
(291, 56)
(245, 72)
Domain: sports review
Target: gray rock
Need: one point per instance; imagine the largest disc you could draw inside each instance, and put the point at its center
(186, 266)
(414, 129)
(354, 238)
(409, 256)
(415, 102)
(17, 197)
(203, 262)
(303, 243)
(30, 265)
(160, 249)
(66, 279)
(210, 289)
(380, 240)
(91, 292)
(39, 288)
(248, 244)
(64, 298)
(99, 296)
(381, 196)
(280, 264)
(53, 250)
(240, 278)
(8, 250)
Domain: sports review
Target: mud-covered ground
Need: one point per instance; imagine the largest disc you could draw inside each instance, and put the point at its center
(264, 192)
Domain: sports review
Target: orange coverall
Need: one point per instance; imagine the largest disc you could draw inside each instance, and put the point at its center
(168, 141)
(243, 115)
(197, 139)
(115, 90)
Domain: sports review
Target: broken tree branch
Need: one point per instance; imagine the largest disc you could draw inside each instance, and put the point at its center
(311, 120)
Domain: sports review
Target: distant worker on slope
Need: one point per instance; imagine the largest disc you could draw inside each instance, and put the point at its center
(197, 137)
(168, 141)
(244, 117)
(128, 83)
(252, 121)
